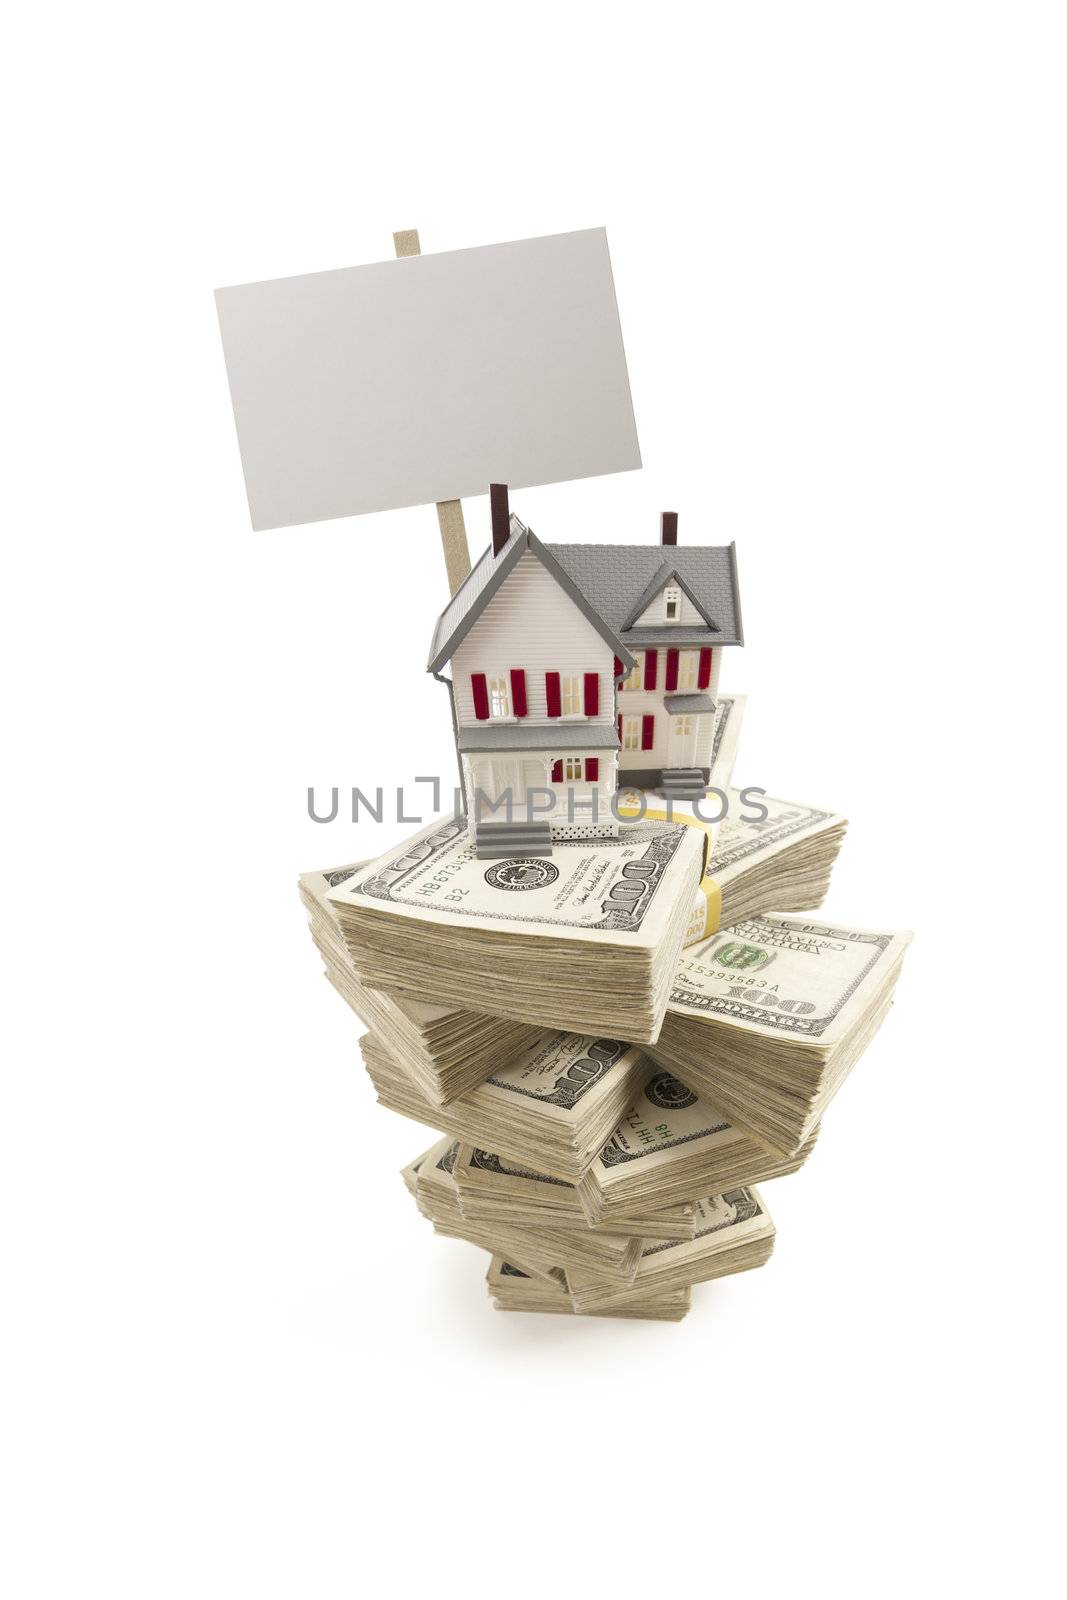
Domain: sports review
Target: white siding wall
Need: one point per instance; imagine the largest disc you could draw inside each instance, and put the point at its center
(706, 724)
(531, 623)
(643, 702)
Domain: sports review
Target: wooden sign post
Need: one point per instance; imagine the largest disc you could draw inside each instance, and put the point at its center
(449, 512)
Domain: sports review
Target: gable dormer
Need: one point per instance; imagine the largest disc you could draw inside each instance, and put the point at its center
(667, 600)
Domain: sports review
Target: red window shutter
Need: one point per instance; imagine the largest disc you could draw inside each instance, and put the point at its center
(557, 772)
(481, 696)
(618, 724)
(704, 675)
(552, 696)
(518, 691)
(592, 768)
(672, 671)
(618, 668)
(648, 728)
(651, 657)
(592, 693)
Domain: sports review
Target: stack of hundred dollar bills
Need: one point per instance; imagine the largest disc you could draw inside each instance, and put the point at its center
(614, 1043)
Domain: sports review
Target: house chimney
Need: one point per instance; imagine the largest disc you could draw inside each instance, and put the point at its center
(668, 527)
(498, 504)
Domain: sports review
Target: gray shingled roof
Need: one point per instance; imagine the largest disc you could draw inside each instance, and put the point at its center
(688, 704)
(614, 577)
(576, 736)
(468, 598)
(610, 583)
(672, 633)
(483, 581)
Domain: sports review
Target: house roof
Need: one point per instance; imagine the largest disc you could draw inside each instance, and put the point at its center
(620, 580)
(486, 577)
(611, 584)
(573, 736)
(688, 704)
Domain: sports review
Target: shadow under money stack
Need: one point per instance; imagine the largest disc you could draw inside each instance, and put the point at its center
(606, 1164)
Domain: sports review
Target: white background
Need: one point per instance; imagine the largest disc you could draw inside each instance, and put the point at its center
(238, 1363)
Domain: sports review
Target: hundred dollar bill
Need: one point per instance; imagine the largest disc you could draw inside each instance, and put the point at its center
(669, 1146)
(768, 1017)
(551, 1108)
(725, 733)
(586, 939)
(734, 1233)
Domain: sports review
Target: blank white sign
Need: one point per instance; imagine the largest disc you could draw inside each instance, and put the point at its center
(428, 378)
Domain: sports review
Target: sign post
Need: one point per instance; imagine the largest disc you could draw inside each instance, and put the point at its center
(449, 512)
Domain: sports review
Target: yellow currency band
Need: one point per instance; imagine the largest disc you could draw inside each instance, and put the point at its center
(712, 892)
(709, 887)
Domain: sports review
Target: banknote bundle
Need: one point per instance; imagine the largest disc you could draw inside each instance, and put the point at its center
(773, 855)
(512, 1289)
(668, 1147)
(593, 1252)
(734, 1233)
(586, 940)
(591, 1272)
(551, 1108)
(768, 1017)
(769, 855)
(493, 1190)
(616, 1043)
(447, 1049)
(671, 1145)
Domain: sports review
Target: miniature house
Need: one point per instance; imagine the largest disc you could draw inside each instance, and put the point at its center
(580, 669)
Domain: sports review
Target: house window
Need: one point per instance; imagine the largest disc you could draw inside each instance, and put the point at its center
(688, 668)
(631, 733)
(571, 691)
(499, 695)
(672, 603)
(633, 681)
(576, 769)
(683, 727)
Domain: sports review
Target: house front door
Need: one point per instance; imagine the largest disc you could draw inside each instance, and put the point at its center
(682, 742)
(517, 774)
(531, 772)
